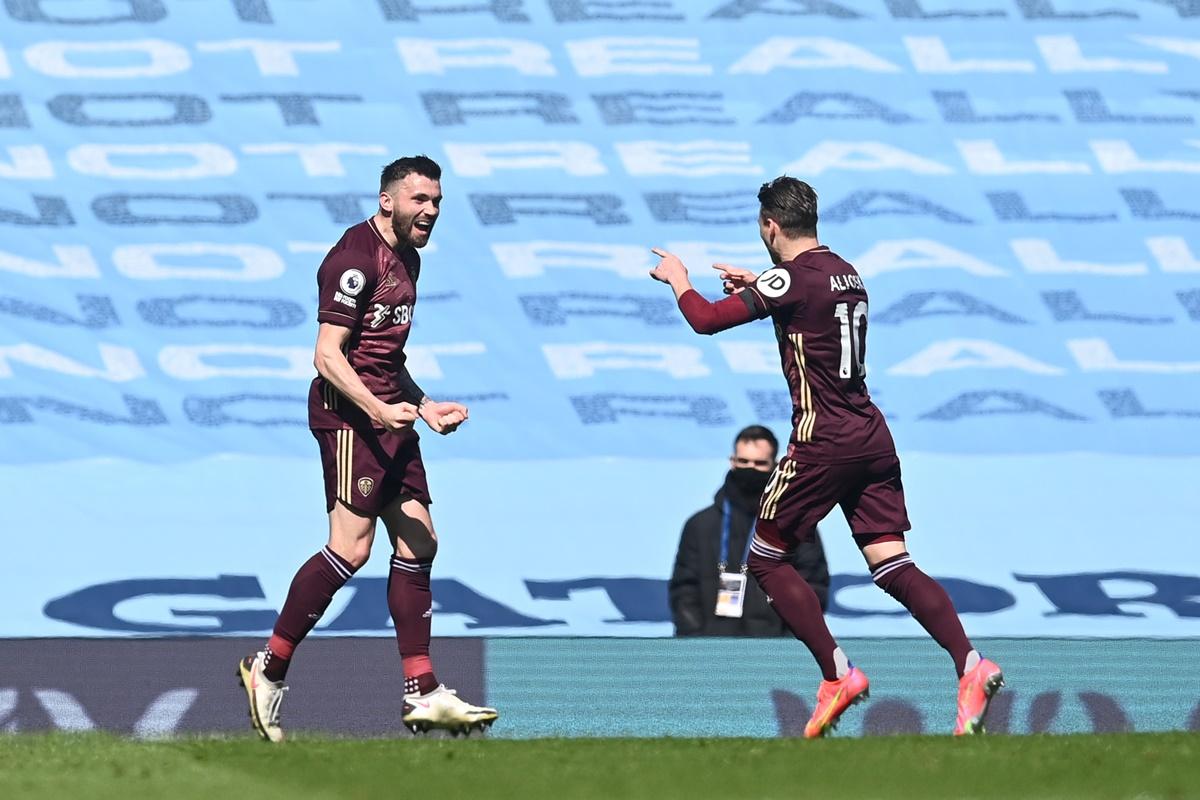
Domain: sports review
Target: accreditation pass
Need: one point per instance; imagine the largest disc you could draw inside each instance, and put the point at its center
(731, 594)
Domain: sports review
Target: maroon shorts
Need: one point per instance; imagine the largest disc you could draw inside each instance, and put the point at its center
(799, 496)
(367, 470)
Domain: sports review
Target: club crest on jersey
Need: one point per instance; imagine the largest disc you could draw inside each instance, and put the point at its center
(366, 485)
(774, 283)
(352, 282)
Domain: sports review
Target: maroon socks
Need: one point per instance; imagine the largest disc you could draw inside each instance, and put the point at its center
(411, 604)
(409, 600)
(928, 602)
(796, 604)
(311, 590)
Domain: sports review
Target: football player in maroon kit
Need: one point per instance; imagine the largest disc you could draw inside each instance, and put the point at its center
(840, 453)
(362, 408)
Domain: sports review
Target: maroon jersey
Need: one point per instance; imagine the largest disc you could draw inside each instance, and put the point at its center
(819, 306)
(371, 289)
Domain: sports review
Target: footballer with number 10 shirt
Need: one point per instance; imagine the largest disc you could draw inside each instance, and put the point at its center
(362, 408)
(841, 451)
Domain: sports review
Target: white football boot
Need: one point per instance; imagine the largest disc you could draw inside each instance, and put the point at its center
(442, 709)
(265, 697)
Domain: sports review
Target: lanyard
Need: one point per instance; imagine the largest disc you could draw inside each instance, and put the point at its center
(724, 562)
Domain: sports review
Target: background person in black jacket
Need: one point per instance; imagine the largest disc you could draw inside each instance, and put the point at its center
(694, 583)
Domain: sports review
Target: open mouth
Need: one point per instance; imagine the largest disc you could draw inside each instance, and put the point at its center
(423, 225)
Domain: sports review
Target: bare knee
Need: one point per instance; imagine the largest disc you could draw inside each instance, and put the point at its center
(354, 551)
(351, 535)
(411, 529)
(360, 552)
(419, 548)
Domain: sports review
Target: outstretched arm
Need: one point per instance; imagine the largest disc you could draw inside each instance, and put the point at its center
(707, 318)
(703, 316)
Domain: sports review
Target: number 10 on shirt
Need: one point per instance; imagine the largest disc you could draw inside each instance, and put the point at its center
(854, 340)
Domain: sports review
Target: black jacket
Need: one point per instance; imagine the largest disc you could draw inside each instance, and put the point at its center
(693, 588)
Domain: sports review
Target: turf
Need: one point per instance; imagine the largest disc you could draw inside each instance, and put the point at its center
(100, 766)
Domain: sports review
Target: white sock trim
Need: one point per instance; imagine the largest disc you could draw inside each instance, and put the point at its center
(879, 572)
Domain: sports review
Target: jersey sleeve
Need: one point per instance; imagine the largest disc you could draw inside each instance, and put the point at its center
(706, 317)
(345, 283)
(777, 288)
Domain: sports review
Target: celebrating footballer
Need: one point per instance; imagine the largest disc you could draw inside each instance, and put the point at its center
(363, 406)
(840, 452)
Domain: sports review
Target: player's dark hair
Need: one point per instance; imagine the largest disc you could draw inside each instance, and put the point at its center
(758, 433)
(792, 203)
(401, 168)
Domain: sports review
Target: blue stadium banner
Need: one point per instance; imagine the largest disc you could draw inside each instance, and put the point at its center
(1014, 179)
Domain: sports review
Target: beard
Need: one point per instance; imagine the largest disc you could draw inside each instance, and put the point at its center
(407, 233)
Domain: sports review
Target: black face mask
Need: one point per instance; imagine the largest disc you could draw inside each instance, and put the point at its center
(749, 481)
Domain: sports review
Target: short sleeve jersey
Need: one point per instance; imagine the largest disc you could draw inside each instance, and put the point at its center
(366, 286)
(819, 306)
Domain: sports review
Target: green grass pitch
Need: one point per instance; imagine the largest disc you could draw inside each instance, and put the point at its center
(1104, 766)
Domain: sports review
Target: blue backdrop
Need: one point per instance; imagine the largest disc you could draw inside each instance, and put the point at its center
(1014, 179)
